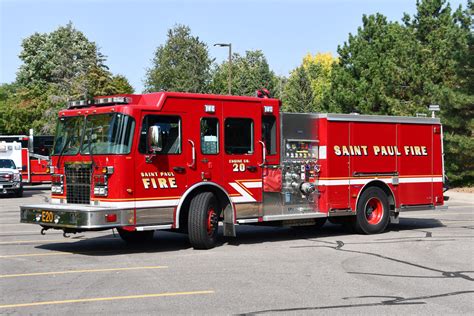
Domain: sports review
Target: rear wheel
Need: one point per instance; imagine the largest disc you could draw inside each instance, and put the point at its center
(203, 221)
(136, 237)
(372, 212)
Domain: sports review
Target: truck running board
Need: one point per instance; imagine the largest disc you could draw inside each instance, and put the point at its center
(282, 217)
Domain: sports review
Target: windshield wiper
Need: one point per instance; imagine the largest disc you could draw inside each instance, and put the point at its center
(66, 143)
(90, 148)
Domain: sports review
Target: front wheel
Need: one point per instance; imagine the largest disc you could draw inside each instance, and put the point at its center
(203, 221)
(372, 212)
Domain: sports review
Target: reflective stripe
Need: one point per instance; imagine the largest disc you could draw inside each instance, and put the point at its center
(140, 204)
(385, 180)
(245, 197)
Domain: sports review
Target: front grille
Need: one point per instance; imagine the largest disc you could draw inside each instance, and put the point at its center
(78, 183)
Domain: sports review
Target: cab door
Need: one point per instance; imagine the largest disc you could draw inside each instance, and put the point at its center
(160, 177)
(205, 127)
(243, 156)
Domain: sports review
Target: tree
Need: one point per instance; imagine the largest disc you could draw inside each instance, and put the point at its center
(299, 95)
(309, 83)
(181, 64)
(57, 58)
(249, 73)
(447, 59)
(58, 66)
(400, 69)
(377, 71)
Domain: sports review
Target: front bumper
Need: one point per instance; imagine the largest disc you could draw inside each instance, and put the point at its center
(75, 216)
(7, 187)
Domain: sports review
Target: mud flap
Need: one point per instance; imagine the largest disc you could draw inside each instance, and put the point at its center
(394, 218)
(229, 226)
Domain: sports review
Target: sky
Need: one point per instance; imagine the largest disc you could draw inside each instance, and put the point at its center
(128, 32)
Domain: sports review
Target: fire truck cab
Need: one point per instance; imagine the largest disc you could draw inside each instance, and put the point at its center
(179, 161)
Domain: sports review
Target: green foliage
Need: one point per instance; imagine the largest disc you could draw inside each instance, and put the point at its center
(182, 64)
(57, 58)
(298, 92)
(249, 74)
(309, 84)
(58, 66)
(400, 69)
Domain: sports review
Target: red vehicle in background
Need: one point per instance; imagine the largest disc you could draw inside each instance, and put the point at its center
(179, 161)
(30, 153)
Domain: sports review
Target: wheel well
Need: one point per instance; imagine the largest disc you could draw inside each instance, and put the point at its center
(384, 187)
(221, 196)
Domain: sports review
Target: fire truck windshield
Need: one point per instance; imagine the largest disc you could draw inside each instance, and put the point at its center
(110, 133)
(68, 135)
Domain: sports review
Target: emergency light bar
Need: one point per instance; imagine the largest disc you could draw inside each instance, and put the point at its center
(77, 104)
(98, 101)
(112, 100)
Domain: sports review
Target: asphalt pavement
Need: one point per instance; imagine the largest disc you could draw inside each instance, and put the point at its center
(424, 265)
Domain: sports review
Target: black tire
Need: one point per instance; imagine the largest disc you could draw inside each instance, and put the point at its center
(19, 192)
(372, 212)
(203, 221)
(136, 237)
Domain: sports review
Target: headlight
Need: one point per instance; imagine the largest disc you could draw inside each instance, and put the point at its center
(16, 177)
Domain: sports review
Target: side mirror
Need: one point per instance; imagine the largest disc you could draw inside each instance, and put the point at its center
(154, 140)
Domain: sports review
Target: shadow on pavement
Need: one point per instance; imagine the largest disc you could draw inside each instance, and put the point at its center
(165, 241)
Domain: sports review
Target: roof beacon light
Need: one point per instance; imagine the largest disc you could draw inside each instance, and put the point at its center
(77, 104)
(433, 108)
(112, 100)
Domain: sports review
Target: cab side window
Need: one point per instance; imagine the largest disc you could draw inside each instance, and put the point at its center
(170, 133)
(269, 133)
(238, 136)
(210, 136)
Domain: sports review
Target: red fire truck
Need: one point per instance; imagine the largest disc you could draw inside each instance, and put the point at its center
(178, 161)
(30, 153)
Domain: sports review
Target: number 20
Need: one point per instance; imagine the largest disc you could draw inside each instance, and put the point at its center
(238, 167)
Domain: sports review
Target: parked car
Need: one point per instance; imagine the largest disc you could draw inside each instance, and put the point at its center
(10, 178)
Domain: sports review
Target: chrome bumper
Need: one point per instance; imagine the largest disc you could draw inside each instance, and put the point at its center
(75, 216)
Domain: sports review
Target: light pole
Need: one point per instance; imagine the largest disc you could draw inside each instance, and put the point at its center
(230, 63)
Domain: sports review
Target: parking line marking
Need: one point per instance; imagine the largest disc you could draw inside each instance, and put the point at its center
(32, 241)
(443, 213)
(59, 254)
(56, 241)
(113, 298)
(81, 271)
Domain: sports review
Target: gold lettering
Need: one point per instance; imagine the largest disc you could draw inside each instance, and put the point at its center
(153, 183)
(357, 151)
(417, 151)
(162, 183)
(391, 150)
(364, 148)
(146, 182)
(376, 150)
(424, 151)
(337, 150)
(398, 153)
(407, 150)
(172, 182)
(345, 151)
(384, 151)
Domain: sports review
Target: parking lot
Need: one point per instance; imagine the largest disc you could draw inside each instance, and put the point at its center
(424, 265)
